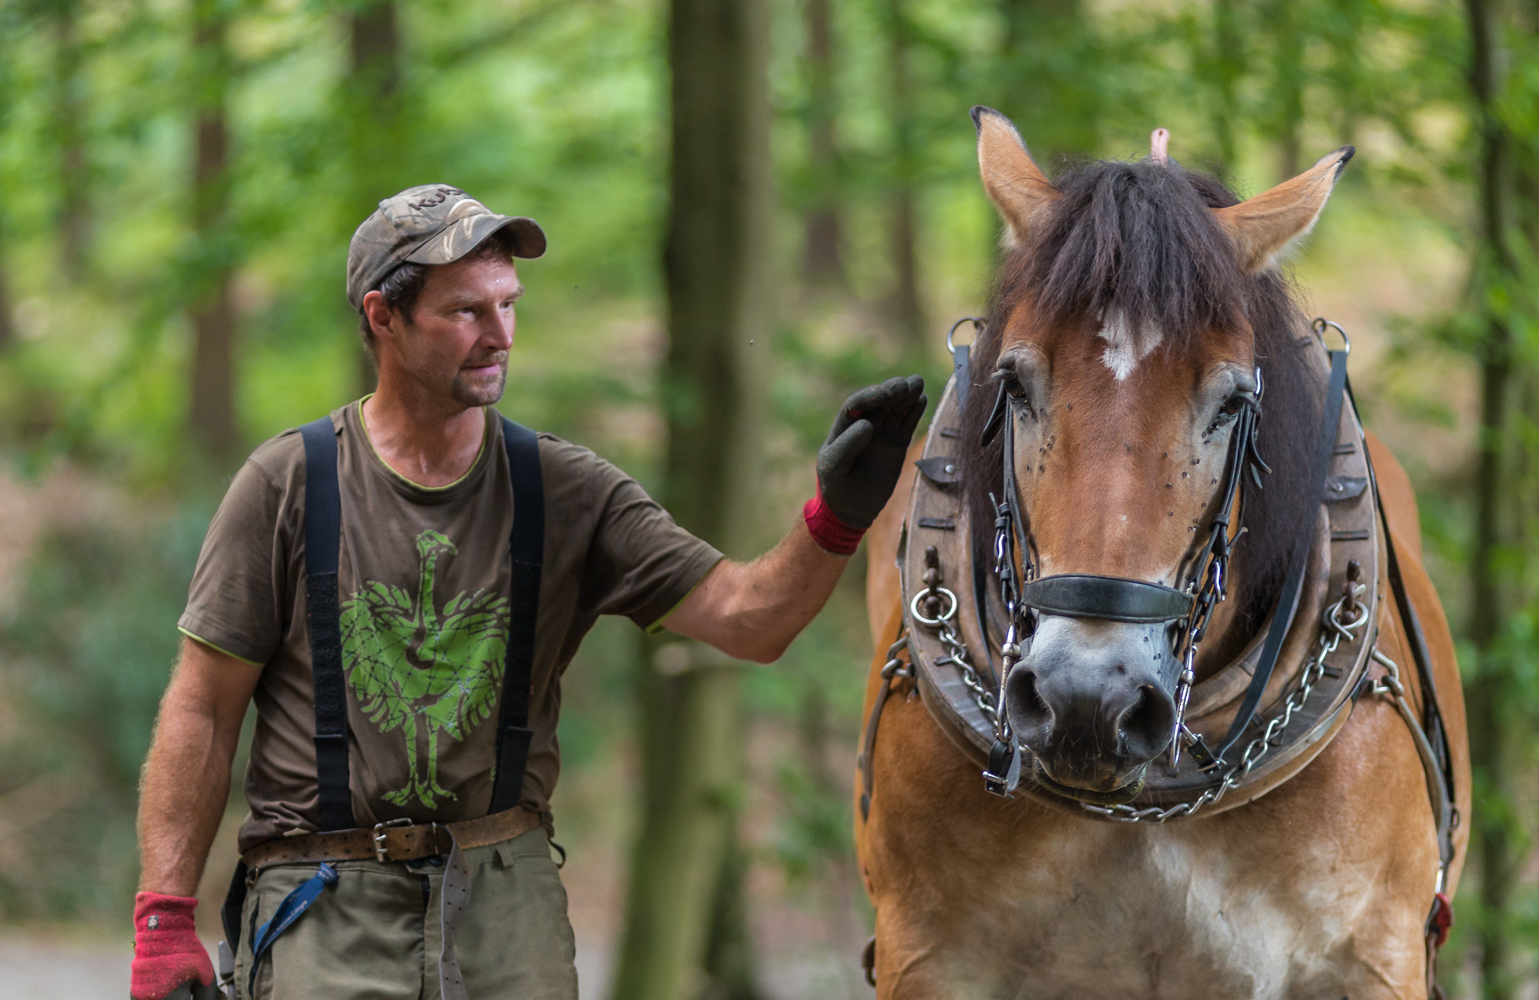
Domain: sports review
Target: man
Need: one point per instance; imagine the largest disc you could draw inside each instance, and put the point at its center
(399, 586)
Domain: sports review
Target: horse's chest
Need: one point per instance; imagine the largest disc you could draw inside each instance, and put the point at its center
(1157, 917)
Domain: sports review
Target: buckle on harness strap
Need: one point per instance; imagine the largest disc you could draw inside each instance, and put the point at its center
(381, 851)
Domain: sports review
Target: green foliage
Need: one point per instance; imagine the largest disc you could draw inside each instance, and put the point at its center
(87, 649)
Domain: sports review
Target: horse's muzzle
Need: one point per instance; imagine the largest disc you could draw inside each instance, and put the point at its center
(1092, 702)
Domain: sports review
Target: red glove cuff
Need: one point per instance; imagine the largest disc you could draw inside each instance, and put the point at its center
(167, 952)
(831, 534)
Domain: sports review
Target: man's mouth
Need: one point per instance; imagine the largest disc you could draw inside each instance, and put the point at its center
(484, 366)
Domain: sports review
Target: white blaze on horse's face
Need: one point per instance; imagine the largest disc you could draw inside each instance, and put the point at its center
(1126, 347)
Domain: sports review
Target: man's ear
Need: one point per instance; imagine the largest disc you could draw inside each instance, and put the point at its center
(1262, 227)
(377, 311)
(1012, 179)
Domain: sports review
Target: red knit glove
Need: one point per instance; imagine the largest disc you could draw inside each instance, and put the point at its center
(831, 534)
(167, 952)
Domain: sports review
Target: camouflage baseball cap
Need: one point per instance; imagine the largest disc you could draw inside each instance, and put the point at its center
(427, 224)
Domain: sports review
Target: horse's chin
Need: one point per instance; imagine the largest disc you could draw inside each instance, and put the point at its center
(1132, 784)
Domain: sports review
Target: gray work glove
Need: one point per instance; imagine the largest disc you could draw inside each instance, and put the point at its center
(860, 463)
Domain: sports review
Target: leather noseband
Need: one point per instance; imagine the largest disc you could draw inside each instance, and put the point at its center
(1079, 595)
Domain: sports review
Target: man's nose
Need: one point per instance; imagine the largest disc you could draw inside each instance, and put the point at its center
(497, 329)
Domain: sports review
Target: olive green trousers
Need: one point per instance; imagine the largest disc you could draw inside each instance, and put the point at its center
(375, 933)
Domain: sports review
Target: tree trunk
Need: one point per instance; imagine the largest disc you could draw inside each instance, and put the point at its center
(1287, 29)
(907, 310)
(1343, 29)
(905, 302)
(1046, 88)
(375, 123)
(730, 969)
(69, 123)
(8, 94)
(837, 873)
(7, 326)
(1227, 66)
(823, 255)
(681, 915)
(1491, 718)
(212, 413)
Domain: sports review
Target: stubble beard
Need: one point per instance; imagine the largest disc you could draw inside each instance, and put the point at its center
(469, 391)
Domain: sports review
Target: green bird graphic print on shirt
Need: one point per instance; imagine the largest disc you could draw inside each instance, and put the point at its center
(412, 668)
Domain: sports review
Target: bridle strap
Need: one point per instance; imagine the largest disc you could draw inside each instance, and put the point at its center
(1293, 584)
(1005, 407)
(1077, 595)
(1436, 732)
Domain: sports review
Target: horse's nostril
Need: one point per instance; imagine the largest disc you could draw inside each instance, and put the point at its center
(1145, 725)
(1029, 714)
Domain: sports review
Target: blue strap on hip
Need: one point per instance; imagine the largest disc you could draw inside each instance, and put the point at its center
(291, 909)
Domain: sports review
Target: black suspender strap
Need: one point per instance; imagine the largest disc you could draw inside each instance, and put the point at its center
(323, 535)
(528, 548)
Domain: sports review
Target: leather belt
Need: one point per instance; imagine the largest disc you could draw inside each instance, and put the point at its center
(395, 840)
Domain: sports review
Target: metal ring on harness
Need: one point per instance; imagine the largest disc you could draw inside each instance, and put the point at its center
(976, 321)
(933, 622)
(1321, 324)
(1345, 628)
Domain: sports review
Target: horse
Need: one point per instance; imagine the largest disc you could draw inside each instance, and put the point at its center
(1145, 402)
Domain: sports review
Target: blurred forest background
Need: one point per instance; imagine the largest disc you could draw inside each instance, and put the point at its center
(178, 182)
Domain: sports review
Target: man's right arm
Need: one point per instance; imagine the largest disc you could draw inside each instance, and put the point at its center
(186, 780)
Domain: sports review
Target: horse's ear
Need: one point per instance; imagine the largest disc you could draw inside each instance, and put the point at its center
(1014, 183)
(1263, 226)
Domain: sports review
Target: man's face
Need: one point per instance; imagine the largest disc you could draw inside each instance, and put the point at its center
(456, 341)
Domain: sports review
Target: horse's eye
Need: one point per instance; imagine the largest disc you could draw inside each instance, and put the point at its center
(1013, 387)
(1226, 413)
(1232, 406)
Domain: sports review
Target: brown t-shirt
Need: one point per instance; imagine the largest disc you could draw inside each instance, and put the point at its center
(423, 580)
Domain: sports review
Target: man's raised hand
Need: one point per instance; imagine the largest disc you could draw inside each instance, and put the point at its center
(860, 463)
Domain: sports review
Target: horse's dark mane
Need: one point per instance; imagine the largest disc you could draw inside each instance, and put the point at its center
(1139, 238)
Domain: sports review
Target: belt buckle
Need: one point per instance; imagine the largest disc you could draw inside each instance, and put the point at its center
(380, 850)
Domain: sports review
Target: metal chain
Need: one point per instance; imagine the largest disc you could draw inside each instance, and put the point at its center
(1334, 631)
(942, 605)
